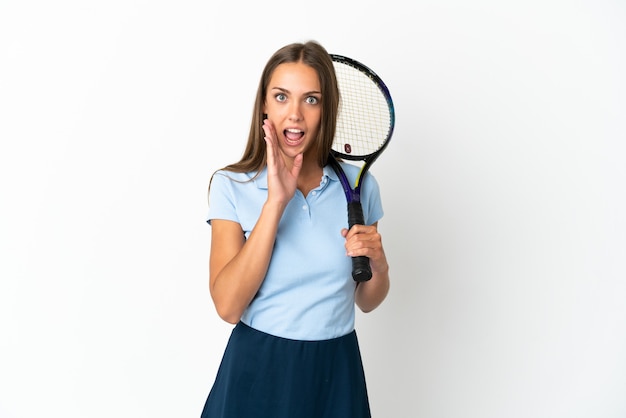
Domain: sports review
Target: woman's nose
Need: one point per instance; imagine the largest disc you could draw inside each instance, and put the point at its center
(294, 112)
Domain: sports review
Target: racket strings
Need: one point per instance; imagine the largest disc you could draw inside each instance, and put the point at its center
(364, 118)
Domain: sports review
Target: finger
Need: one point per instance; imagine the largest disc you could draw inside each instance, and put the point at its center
(270, 140)
(297, 165)
(360, 229)
(269, 132)
(363, 241)
(270, 151)
(370, 249)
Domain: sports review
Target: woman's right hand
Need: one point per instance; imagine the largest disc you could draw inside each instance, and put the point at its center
(282, 173)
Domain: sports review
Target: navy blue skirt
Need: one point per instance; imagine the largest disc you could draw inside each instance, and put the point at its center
(263, 376)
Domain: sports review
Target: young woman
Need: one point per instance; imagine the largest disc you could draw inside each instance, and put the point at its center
(280, 266)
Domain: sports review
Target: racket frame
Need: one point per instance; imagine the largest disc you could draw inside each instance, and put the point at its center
(361, 270)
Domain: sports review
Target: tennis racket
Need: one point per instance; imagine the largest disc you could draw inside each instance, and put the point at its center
(364, 127)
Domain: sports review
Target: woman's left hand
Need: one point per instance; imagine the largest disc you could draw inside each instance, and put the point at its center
(364, 240)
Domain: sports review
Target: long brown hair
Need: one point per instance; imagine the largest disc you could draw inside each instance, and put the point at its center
(314, 55)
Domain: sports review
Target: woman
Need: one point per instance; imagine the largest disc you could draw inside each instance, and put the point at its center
(280, 266)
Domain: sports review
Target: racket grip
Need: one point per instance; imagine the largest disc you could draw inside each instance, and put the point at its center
(361, 270)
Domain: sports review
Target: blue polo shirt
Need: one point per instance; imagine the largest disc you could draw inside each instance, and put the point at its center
(308, 292)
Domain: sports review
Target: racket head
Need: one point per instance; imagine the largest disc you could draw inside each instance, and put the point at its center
(366, 117)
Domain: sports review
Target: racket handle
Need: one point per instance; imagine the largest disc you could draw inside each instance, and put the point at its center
(361, 270)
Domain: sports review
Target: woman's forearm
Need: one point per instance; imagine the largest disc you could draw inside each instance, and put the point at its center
(237, 273)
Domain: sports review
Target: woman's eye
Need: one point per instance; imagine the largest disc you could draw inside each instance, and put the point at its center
(281, 97)
(312, 100)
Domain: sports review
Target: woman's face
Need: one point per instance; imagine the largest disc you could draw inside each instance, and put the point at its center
(294, 106)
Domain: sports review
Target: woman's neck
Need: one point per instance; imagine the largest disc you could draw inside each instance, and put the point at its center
(310, 177)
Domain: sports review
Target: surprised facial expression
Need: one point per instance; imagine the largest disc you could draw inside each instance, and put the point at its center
(293, 105)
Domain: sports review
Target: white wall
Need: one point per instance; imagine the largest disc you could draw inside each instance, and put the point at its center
(503, 188)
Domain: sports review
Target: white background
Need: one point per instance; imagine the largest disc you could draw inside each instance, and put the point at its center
(504, 190)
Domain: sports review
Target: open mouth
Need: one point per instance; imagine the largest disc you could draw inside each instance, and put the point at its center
(293, 136)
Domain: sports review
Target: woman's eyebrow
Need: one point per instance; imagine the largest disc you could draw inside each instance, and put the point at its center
(284, 90)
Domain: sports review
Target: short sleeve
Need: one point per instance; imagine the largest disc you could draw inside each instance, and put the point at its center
(373, 207)
(221, 198)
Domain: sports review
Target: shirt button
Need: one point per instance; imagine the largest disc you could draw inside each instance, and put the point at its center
(313, 192)
(304, 207)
